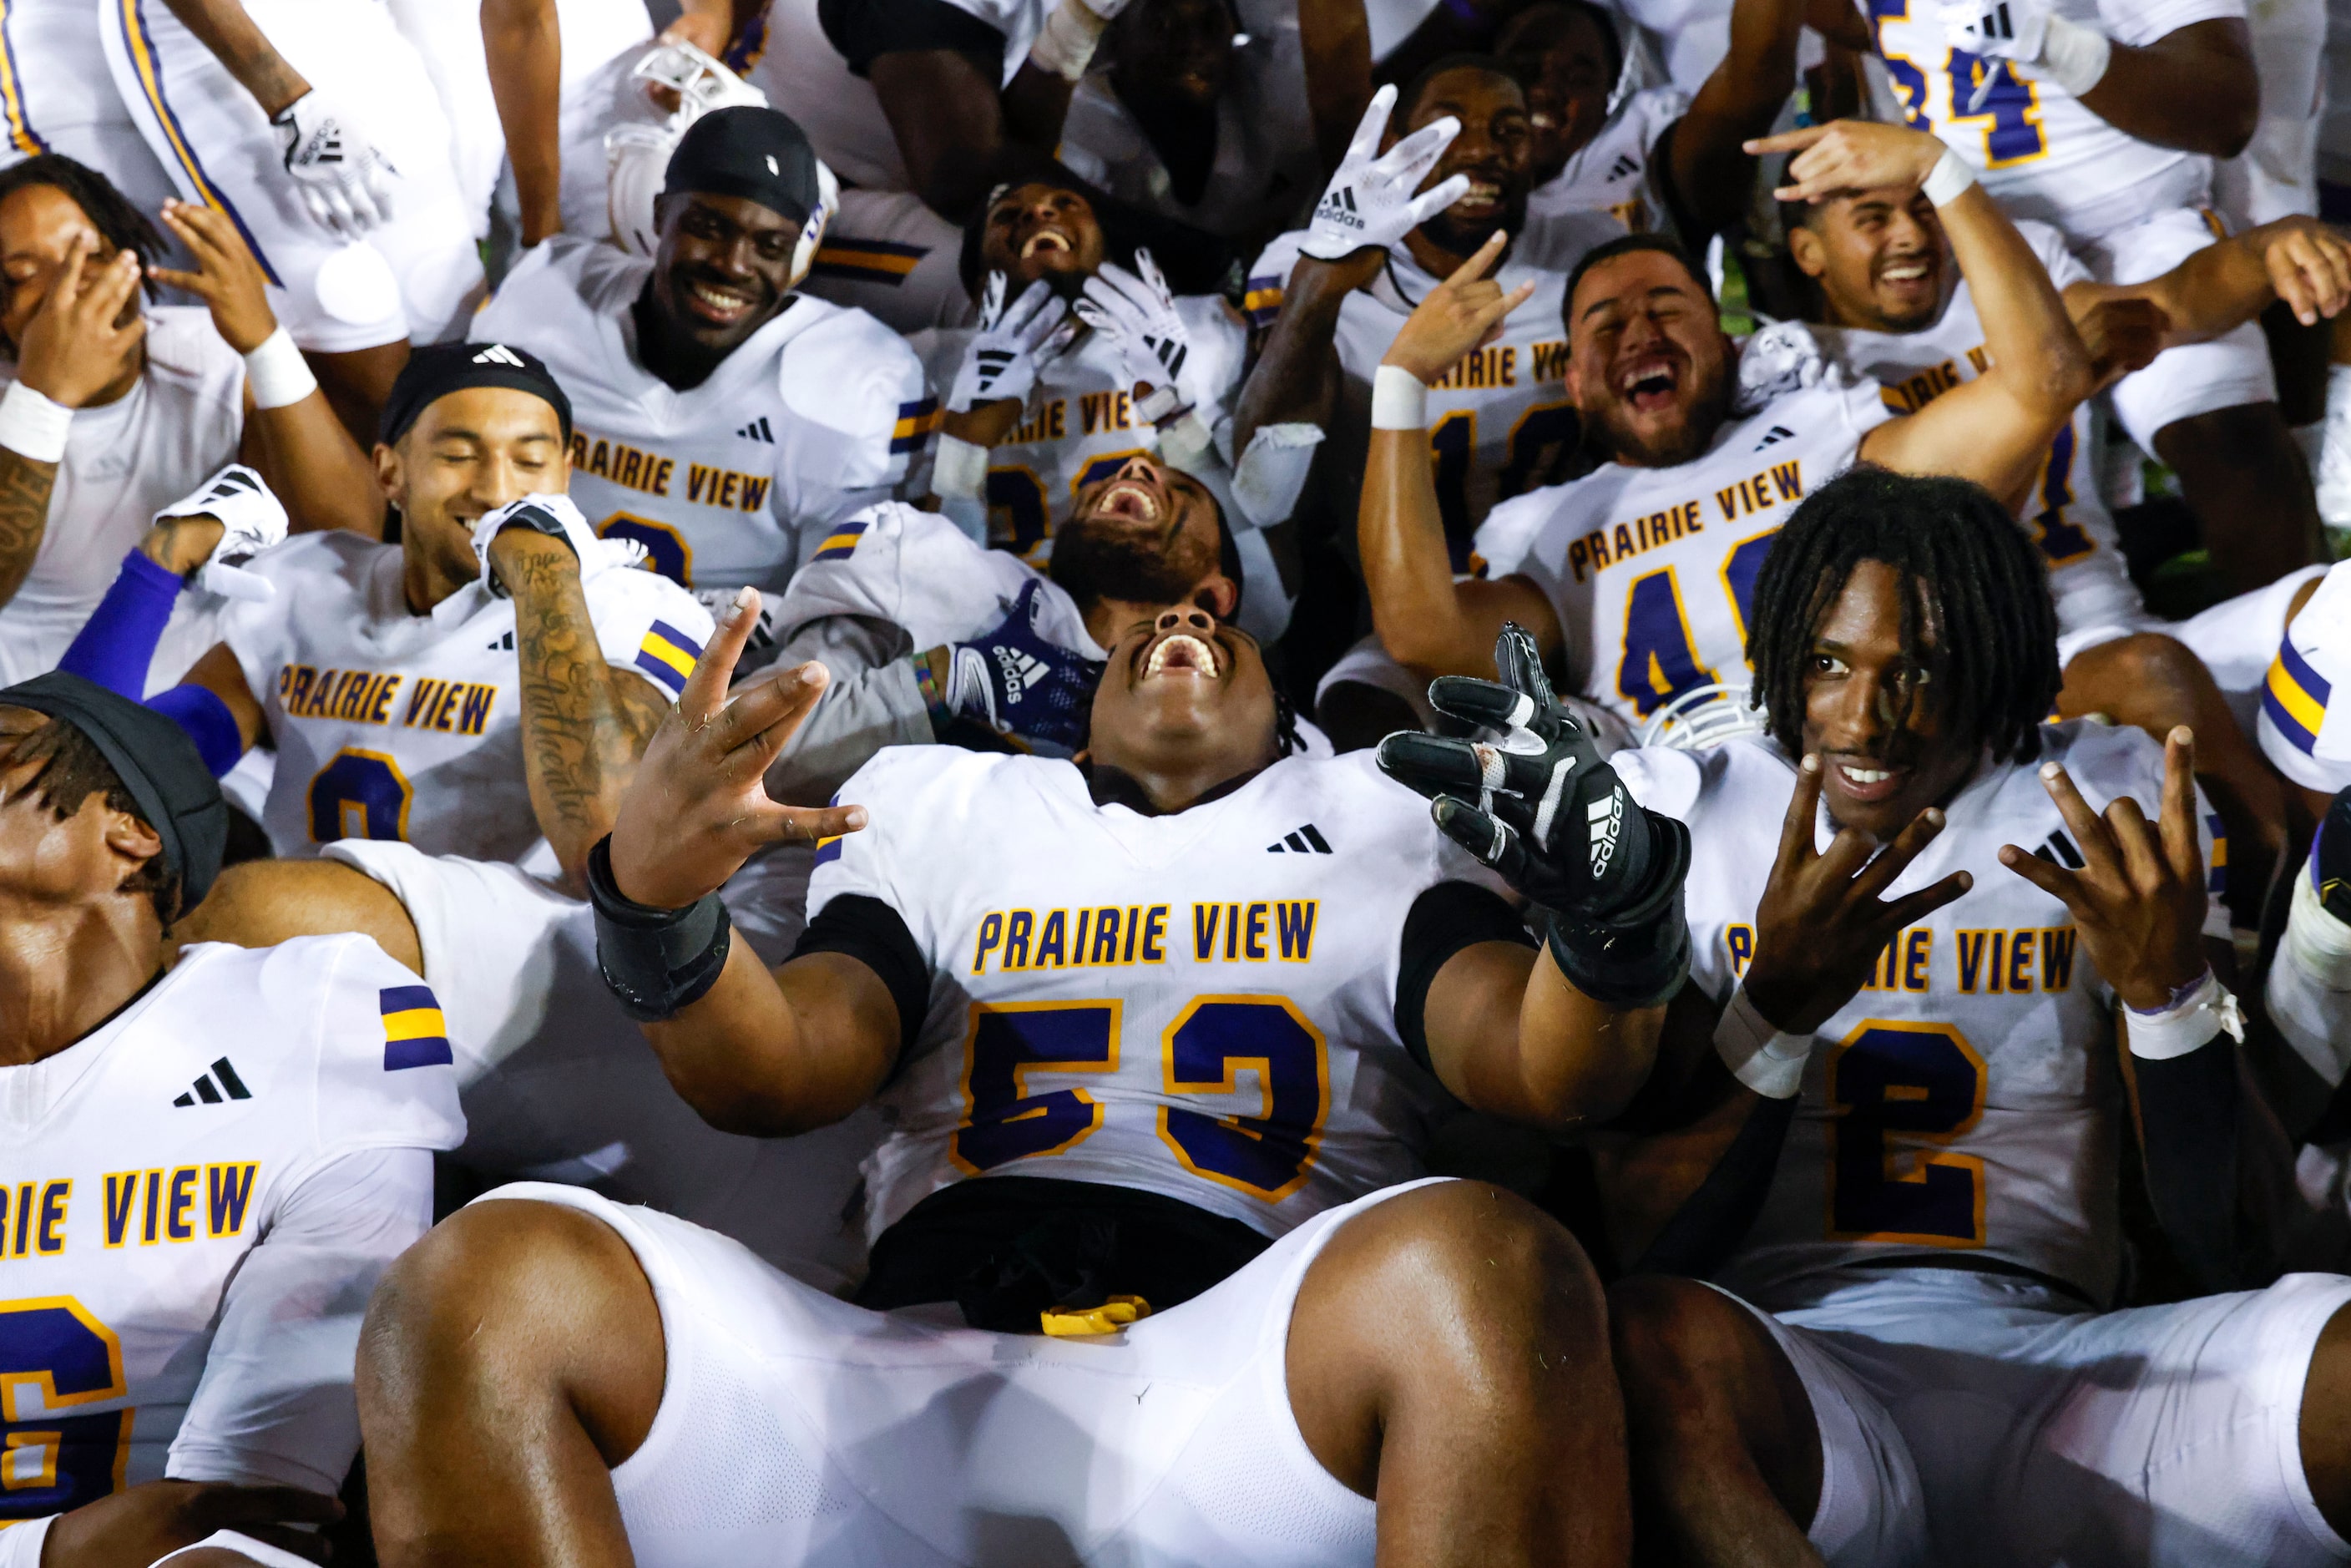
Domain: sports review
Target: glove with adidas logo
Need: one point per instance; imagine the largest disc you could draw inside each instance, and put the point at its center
(1555, 823)
(2031, 36)
(1371, 201)
(1135, 313)
(1018, 683)
(554, 515)
(345, 180)
(1009, 347)
(251, 518)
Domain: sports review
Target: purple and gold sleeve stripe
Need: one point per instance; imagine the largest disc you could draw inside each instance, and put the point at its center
(667, 654)
(915, 423)
(2219, 882)
(867, 261)
(413, 1032)
(2296, 697)
(1261, 300)
(828, 849)
(842, 543)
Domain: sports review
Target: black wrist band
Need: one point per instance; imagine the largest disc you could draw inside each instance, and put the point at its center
(1639, 956)
(534, 519)
(655, 960)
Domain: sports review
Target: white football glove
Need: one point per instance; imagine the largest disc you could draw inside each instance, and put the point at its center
(1009, 349)
(1370, 200)
(720, 603)
(251, 520)
(1135, 313)
(554, 515)
(344, 179)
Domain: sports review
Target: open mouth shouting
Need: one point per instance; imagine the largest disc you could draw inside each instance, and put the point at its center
(1482, 200)
(1047, 240)
(1652, 383)
(1178, 656)
(1864, 780)
(1132, 500)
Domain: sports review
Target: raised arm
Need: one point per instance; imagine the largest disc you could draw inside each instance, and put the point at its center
(1424, 618)
(751, 1051)
(523, 46)
(2299, 260)
(1996, 429)
(292, 435)
(2193, 89)
(1713, 172)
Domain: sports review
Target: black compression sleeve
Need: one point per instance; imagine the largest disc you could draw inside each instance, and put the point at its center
(875, 935)
(865, 31)
(2188, 1107)
(1443, 920)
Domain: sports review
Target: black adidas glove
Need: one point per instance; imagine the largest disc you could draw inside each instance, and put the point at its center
(1557, 824)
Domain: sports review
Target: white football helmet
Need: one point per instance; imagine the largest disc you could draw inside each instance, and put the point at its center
(1702, 718)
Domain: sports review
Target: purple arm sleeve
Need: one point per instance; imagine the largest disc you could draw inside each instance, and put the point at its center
(117, 644)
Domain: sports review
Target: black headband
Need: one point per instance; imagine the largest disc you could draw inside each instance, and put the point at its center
(758, 154)
(436, 371)
(158, 764)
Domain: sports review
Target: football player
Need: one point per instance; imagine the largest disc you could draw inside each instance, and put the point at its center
(1038, 403)
(1591, 152)
(119, 405)
(208, 1160)
(1641, 573)
(725, 420)
(2101, 120)
(500, 658)
(70, 106)
(1919, 917)
(1891, 307)
(310, 127)
(1049, 1163)
(1333, 296)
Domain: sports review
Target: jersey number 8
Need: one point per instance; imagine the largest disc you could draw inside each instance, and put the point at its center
(1212, 1041)
(52, 1356)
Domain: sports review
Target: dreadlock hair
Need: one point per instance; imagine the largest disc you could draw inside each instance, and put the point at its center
(121, 225)
(1968, 571)
(73, 770)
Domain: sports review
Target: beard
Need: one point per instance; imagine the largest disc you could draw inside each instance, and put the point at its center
(1454, 237)
(1610, 439)
(1094, 561)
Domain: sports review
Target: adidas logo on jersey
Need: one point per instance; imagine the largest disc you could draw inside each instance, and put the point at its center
(2059, 849)
(756, 430)
(1995, 23)
(1775, 435)
(1306, 841)
(496, 643)
(1339, 208)
(498, 354)
(1625, 164)
(229, 1086)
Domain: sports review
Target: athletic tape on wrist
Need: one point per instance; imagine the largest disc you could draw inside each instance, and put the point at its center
(2315, 942)
(1947, 180)
(32, 426)
(1759, 1055)
(2209, 1009)
(2073, 57)
(656, 961)
(1399, 400)
(1185, 442)
(959, 468)
(277, 374)
(1065, 44)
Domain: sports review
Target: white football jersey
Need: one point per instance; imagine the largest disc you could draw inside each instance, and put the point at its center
(732, 482)
(2302, 732)
(186, 1256)
(1500, 423)
(2066, 517)
(177, 425)
(1967, 1098)
(2035, 145)
(394, 725)
(918, 571)
(1112, 1001)
(1610, 173)
(1079, 424)
(1650, 570)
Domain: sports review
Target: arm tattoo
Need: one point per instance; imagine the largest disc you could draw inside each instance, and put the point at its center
(25, 488)
(584, 723)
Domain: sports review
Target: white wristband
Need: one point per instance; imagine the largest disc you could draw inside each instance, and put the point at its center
(1065, 44)
(32, 426)
(1185, 442)
(2073, 57)
(2316, 941)
(1758, 1054)
(1399, 400)
(2187, 1025)
(1947, 180)
(20, 1544)
(277, 374)
(958, 468)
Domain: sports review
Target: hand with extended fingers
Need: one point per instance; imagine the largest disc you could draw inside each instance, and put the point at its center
(2138, 899)
(1375, 199)
(1850, 155)
(1463, 313)
(1009, 347)
(85, 326)
(699, 806)
(1823, 923)
(2309, 265)
(226, 277)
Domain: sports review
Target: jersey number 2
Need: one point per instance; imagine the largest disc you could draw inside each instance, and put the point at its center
(1899, 1091)
(52, 1356)
(1213, 1039)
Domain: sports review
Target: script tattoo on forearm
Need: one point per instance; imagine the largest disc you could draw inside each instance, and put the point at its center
(584, 723)
(25, 488)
